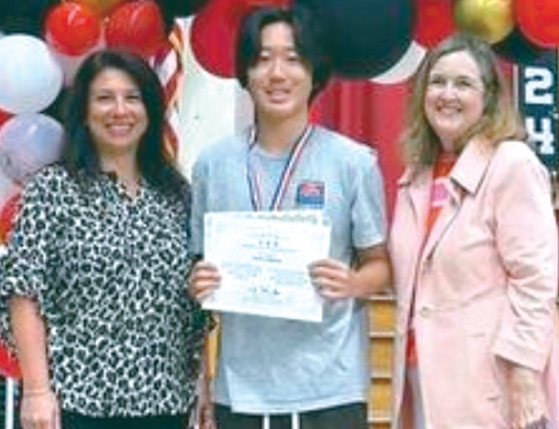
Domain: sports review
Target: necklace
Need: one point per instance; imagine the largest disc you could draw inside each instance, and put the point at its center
(254, 180)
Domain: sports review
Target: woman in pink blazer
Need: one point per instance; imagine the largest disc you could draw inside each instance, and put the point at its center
(474, 248)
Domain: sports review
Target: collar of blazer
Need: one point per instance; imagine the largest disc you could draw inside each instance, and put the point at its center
(468, 172)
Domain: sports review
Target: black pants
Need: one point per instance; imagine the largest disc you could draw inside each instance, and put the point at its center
(350, 416)
(71, 420)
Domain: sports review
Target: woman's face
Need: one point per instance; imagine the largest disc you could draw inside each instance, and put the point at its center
(454, 97)
(116, 115)
(279, 83)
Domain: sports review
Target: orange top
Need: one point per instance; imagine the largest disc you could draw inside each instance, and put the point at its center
(438, 197)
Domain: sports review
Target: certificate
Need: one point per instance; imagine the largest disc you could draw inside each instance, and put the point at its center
(262, 258)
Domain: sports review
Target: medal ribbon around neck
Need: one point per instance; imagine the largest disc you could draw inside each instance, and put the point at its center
(253, 178)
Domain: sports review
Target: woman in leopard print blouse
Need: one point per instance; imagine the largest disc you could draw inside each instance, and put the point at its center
(94, 277)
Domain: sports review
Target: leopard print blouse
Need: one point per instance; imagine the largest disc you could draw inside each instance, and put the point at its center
(109, 275)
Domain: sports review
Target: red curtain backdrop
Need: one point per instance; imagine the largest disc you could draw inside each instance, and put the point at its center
(373, 114)
(370, 113)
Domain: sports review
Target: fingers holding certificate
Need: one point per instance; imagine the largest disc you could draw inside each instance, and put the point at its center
(333, 279)
(204, 279)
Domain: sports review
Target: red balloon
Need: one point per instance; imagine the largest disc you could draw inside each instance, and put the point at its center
(7, 215)
(214, 32)
(4, 116)
(9, 366)
(137, 26)
(539, 21)
(72, 28)
(434, 21)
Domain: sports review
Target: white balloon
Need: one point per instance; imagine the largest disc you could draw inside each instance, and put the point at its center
(29, 141)
(405, 67)
(30, 76)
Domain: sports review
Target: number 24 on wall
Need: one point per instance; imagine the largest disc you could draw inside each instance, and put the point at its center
(539, 92)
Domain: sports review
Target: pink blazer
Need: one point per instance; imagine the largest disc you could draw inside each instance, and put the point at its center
(485, 286)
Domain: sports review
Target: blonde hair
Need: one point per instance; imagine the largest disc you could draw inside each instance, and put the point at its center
(499, 121)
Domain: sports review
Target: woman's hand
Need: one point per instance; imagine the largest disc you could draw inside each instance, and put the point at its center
(203, 280)
(527, 398)
(40, 410)
(204, 406)
(39, 405)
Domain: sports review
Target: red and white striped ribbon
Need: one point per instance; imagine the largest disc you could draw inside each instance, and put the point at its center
(169, 67)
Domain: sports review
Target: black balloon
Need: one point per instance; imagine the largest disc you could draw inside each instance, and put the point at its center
(171, 9)
(365, 37)
(518, 49)
(24, 16)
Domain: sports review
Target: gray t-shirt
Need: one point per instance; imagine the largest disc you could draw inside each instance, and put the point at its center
(270, 365)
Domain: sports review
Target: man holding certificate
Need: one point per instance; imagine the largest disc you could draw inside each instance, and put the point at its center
(289, 218)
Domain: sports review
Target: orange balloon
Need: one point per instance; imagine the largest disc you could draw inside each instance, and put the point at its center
(103, 7)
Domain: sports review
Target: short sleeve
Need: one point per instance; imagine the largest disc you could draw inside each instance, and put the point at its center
(28, 257)
(198, 207)
(368, 206)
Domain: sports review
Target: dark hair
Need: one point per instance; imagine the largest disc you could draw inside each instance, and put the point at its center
(499, 121)
(306, 34)
(80, 155)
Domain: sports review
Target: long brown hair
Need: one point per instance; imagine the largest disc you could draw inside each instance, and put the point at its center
(80, 155)
(499, 121)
